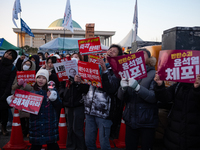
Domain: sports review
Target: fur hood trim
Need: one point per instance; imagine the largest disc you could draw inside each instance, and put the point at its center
(151, 61)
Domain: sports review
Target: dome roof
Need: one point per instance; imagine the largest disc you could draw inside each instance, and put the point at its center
(57, 24)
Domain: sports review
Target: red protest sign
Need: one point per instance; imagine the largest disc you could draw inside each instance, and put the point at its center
(27, 76)
(60, 71)
(26, 101)
(42, 63)
(178, 65)
(129, 66)
(89, 46)
(63, 59)
(89, 73)
(94, 59)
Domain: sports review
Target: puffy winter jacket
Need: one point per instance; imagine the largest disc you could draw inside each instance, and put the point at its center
(141, 107)
(183, 131)
(100, 101)
(43, 128)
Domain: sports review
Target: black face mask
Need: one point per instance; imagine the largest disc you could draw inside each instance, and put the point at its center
(6, 61)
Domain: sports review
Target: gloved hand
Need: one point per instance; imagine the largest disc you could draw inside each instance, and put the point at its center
(9, 99)
(124, 83)
(22, 83)
(53, 95)
(134, 84)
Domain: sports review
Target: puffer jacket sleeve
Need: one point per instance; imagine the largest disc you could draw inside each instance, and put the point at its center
(57, 104)
(148, 94)
(110, 82)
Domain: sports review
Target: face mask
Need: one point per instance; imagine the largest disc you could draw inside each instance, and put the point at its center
(25, 67)
(40, 59)
(75, 60)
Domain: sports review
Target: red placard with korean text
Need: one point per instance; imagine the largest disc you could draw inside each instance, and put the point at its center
(42, 63)
(94, 59)
(89, 73)
(61, 71)
(129, 66)
(26, 101)
(27, 76)
(63, 59)
(89, 46)
(178, 65)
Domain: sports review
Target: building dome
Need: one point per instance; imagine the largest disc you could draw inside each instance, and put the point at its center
(57, 24)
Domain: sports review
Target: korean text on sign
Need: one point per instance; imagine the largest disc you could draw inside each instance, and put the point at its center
(26, 101)
(27, 76)
(129, 66)
(89, 46)
(89, 73)
(178, 65)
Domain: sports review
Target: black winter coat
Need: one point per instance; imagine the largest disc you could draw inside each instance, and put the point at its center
(72, 97)
(141, 107)
(53, 77)
(183, 131)
(7, 76)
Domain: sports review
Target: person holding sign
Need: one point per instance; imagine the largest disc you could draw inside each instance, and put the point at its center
(71, 93)
(99, 104)
(44, 126)
(183, 131)
(21, 84)
(141, 112)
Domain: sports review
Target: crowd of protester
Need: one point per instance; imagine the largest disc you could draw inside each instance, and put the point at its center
(96, 107)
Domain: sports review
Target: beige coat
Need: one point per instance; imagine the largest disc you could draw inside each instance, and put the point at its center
(28, 88)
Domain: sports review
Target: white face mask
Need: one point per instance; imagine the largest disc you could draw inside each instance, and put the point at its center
(75, 60)
(25, 67)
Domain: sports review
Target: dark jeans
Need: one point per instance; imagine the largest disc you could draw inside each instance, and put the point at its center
(51, 146)
(4, 117)
(133, 135)
(75, 123)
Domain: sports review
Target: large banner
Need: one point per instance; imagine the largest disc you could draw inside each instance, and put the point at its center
(89, 73)
(178, 65)
(89, 46)
(129, 66)
(27, 76)
(26, 101)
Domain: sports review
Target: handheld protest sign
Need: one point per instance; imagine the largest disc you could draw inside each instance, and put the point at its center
(26, 101)
(178, 65)
(89, 73)
(129, 66)
(27, 76)
(89, 46)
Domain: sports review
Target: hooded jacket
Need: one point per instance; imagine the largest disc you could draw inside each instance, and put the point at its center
(7, 76)
(28, 88)
(141, 107)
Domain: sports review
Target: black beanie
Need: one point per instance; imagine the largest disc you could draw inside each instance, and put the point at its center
(14, 53)
(144, 49)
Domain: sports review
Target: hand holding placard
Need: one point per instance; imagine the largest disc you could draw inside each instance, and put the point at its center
(197, 82)
(157, 79)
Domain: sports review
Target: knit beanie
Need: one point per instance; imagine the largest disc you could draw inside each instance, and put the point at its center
(43, 72)
(144, 49)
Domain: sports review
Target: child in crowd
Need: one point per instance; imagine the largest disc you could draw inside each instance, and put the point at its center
(44, 126)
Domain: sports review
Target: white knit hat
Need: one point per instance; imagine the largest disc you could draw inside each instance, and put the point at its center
(43, 72)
